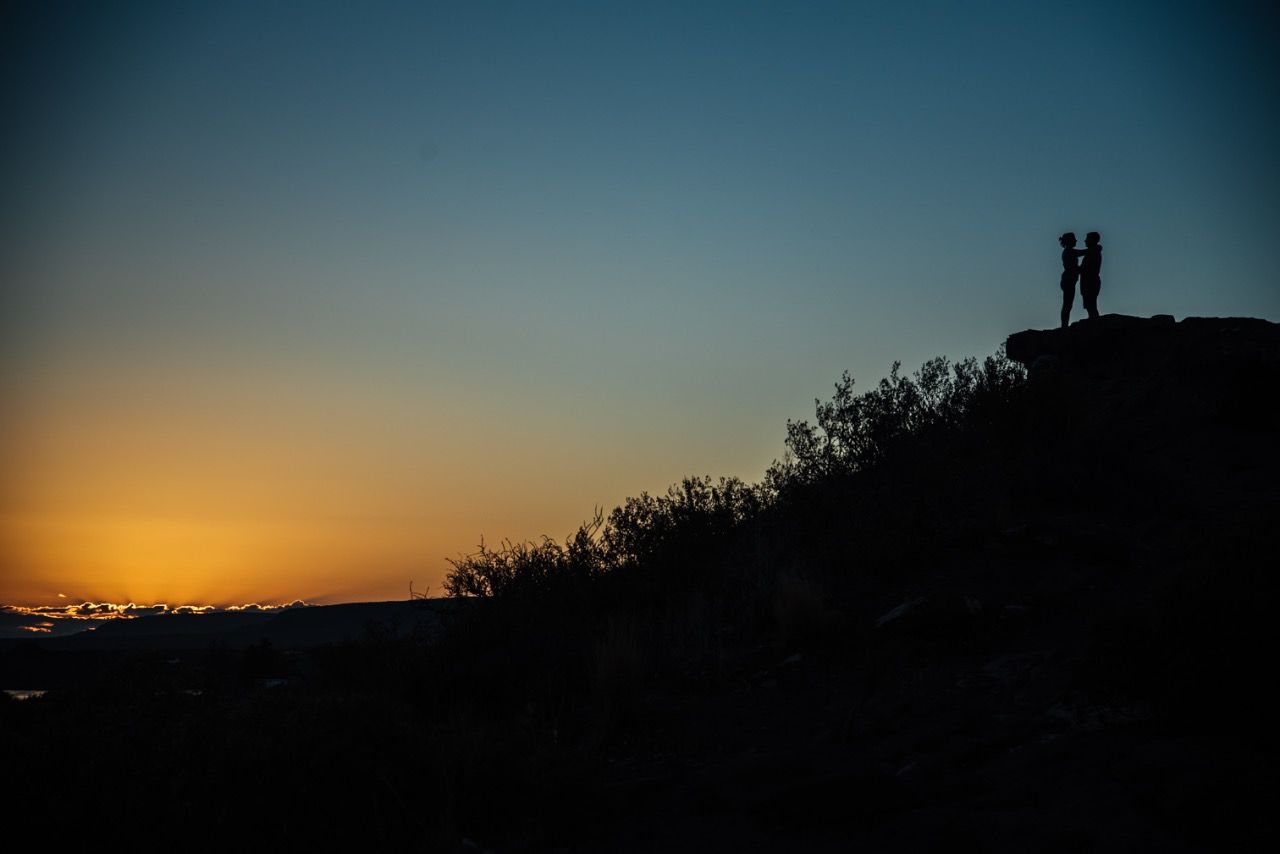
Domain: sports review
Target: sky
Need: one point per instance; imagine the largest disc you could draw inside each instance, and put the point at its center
(301, 299)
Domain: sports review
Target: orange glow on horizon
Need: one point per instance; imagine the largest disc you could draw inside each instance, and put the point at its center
(162, 478)
(98, 612)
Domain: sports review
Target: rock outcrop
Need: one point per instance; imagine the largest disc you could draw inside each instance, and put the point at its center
(1116, 342)
(1225, 368)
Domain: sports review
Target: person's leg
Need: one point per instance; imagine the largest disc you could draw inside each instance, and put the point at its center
(1089, 290)
(1068, 297)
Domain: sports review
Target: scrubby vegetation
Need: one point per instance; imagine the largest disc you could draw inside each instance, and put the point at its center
(692, 534)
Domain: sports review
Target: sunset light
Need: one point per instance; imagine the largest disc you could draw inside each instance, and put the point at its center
(624, 427)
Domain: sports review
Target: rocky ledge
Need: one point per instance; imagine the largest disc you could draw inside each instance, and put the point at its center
(1227, 368)
(1115, 342)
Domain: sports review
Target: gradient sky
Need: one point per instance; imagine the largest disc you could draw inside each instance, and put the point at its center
(301, 298)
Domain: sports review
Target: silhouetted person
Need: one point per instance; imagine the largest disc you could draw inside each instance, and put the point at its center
(1091, 272)
(1070, 272)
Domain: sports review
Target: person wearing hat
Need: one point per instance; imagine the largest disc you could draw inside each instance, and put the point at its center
(1070, 272)
(1091, 272)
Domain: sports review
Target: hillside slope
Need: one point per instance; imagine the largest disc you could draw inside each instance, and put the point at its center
(1078, 666)
(1032, 615)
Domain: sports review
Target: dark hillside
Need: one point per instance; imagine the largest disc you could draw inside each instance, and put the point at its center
(1018, 605)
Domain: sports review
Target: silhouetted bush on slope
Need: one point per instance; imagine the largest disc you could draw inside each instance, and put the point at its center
(689, 529)
(676, 533)
(529, 568)
(856, 431)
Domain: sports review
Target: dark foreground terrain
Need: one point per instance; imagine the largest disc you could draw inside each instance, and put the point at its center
(1016, 606)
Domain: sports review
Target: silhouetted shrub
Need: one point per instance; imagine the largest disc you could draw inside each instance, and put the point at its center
(687, 526)
(530, 568)
(856, 431)
(684, 536)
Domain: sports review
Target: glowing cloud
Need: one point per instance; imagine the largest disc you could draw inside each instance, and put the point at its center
(44, 619)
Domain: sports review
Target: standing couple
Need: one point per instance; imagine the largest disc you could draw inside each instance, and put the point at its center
(1088, 271)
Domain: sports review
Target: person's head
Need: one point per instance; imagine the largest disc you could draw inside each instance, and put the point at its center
(1067, 240)
(1092, 239)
